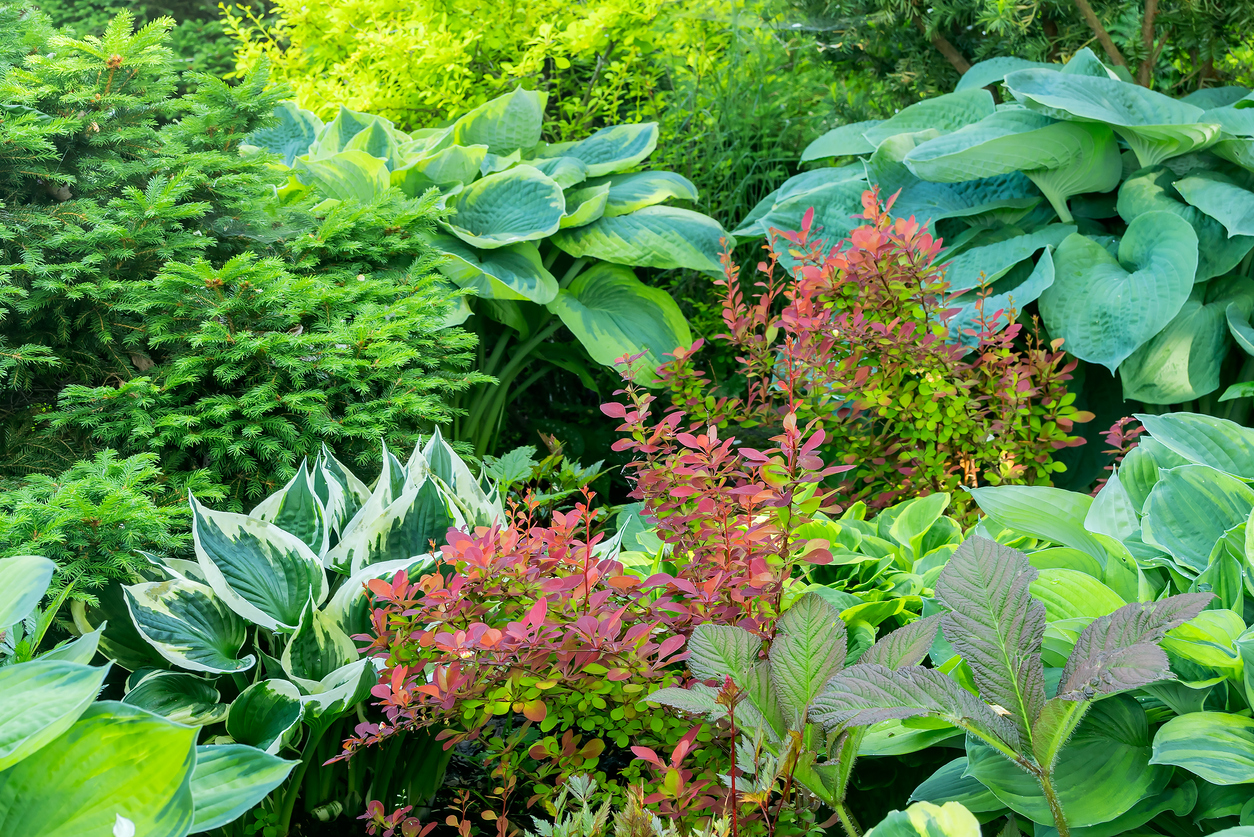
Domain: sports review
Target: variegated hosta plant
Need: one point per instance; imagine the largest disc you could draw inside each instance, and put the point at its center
(253, 637)
(543, 237)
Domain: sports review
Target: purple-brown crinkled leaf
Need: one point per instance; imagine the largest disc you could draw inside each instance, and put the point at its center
(906, 646)
(809, 647)
(1120, 651)
(866, 694)
(996, 625)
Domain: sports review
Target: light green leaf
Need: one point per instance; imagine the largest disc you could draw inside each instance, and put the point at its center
(656, 236)
(1221, 198)
(993, 70)
(182, 698)
(948, 112)
(923, 819)
(951, 783)
(615, 148)
(297, 510)
(520, 204)
(294, 131)
(505, 124)
(337, 134)
(613, 314)
(448, 167)
(260, 571)
(348, 175)
(1097, 168)
(1215, 97)
(404, 529)
(1105, 308)
(1005, 141)
(116, 760)
(1140, 470)
(350, 606)
(1217, 746)
(39, 700)
(1113, 512)
(1205, 440)
(79, 650)
(23, 581)
(1068, 594)
(630, 192)
(844, 141)
(317, 648)
(1042, 511)
(992, 261)
(583, 206)
(515, 271)
(1182, 362)
(1190, 508)
(379, 139)
(564, 171)
(915, 518)
(808, 648)
(188, 625)
(835, 194)
(264, 714)
(229, 779)
(1179, 800)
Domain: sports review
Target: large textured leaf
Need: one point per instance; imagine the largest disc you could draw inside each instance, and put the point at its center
(1120, 651)
(294, 131)
(993, 70)
(656, 236)
(182, 698)
(989, 263)
(951, 783)
(338, 693)
(630, 192)
(260, 571)
(835, 194)
(229, 779)
(906, 646)
(379, 139)
(520, 204)
(1045, 512)
(1009, 295)
(1179, 800)
(1068, 594)
(23, 580)
(1217, 746)
(119, 640)
(337, 134)
(809, 647)
(583, 206)
(295, 508)
(505, 124)
(1205, 440)
(1190, 508)
(923, 819)
(564, 171)
(264, 714)
(40, 700)
(615, 148)
(996, 625)
(1221, 198)
(1182, 362)
(350, 606)
(718, 651)
(941, 113)
(515, 271)
(116, 760)
(1096, 168)
(317, 648)
(189, 626)
(349, 175)
(447, 168)
(404, 529)
(1105, 308)
(845, 141)
(613, 314)
(1006, 141)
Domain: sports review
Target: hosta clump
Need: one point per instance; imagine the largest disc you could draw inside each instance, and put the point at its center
(1120, 212)
(104, 767)
(542, 236)
(992, 620)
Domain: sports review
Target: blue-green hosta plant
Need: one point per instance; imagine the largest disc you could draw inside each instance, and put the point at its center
(1121, 213)
(543, 237)
(1028, 741)
(253, 638)
(72, 765)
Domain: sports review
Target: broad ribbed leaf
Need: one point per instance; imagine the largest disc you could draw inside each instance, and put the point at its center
(951, 783)
(1043, 511)
(1223, 445)
(761, 709)
(867, 694)
(1189, 510)
(996, 625)
(317, 648)
(809, 647)
(1071, 594)
(585, 205)
(290, 136)
(23, 581)
(1217, 746)
(380, 139)
(1120, 651)
(505, 124)
(994, 70)
(1222, 199)
(182, 698)
(656, 236)
(700, 700)
(297, 510)
(40, 700)
(189, 626)
(1096, 168)
(718, 651)
(1179, 800)
(404, 529)
(336, 135)
(351, 607)
(447, 168)
(348, 176)
(1182, 362)
(515, 271)
(1105, 308)
(264, 713)
(989, 263)
(923, 819)
(338, 693)
(948, 112)
(260, 571)
(630, 192)
(906, 646)
(1006, 141)
(564, 171)
(844, 141)
(1021, 286)
(835, 195)
(229, 779)
(615, 148)
(520, 204)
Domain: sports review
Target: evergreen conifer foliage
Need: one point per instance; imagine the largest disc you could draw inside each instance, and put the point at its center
(155, 297)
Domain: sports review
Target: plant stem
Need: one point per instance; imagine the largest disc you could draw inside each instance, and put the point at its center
(576, 267)
(847, 821)
(1046, 780)
(298, 778)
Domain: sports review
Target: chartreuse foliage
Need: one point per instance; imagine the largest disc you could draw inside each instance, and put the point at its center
(1118, 211)
(541, 237)
(253, 637)
(69, 765)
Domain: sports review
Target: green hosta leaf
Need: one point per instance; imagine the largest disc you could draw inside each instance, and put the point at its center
(1152, 189)
(189, 626)
(845, 141)
(1209, 639)
(1215, 97)
(1181, 362)
(583, 206)
(923, 819)
(1204, 440)
(1190, 508)
(404, 529)
(1011, 293)
(1006, 141)
(1105, 308)
(1178, 800)
(1042, 511)
(630, 192)
(348, 175)
(1217, 746)
(515, 271)
(718, 651)
(80, 650)
(295, 129)
(505, 124)
(337, 693)
(992, 261)
(379, 139)
(1222, 199)
(23, 581)
(835, 194)
(656, 236)
(942, 113)
(520, 204)
(182, 698)
(996, 625)
(1100, 774)
(1096, 168)
(264, 714)
(905, 646)
(116, 760)
(613, 314)
(952, 784)
(336, 135)
(40, 700)
(229, 779)
(809, 647)
(614, 149)
(317, 648)
(260, 571)
(564, 171)
(994, 70)
(1140, 470)
(296, 509)
(1067, 594)
(446, 168)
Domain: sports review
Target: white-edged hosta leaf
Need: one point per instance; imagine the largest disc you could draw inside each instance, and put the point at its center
(996, 625)
(39, 700)
(656, 236)
(1217, 746)
(338, 692)
(229, 779)
(1204, 440)
(189, 626)
(296, 509)
(356, 491)
(515, 271)
(1105, 308)
(333, 496)
(350, 606)
(636, 190)
(808, 648)
(583, 206)
(992, 261)
(843, 141)
(348, 175)
(1221, 198)
(317, 648)
(260, 571)
(457, 165)
(295, 129)
(181, 698)
(615, 148)
(23, 581)
(405, 528)
(993, 70)
(564, 171)
(613, 314)
(1181, 362)
(718, 651)
(264, 714)
(947, 112)
(505, 124)
(923, 819)
(1190, 508)
(906, 646)
(115, 760)
(1119, 651)
(520, 204)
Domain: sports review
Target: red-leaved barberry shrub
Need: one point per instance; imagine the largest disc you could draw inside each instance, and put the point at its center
(855, 338)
